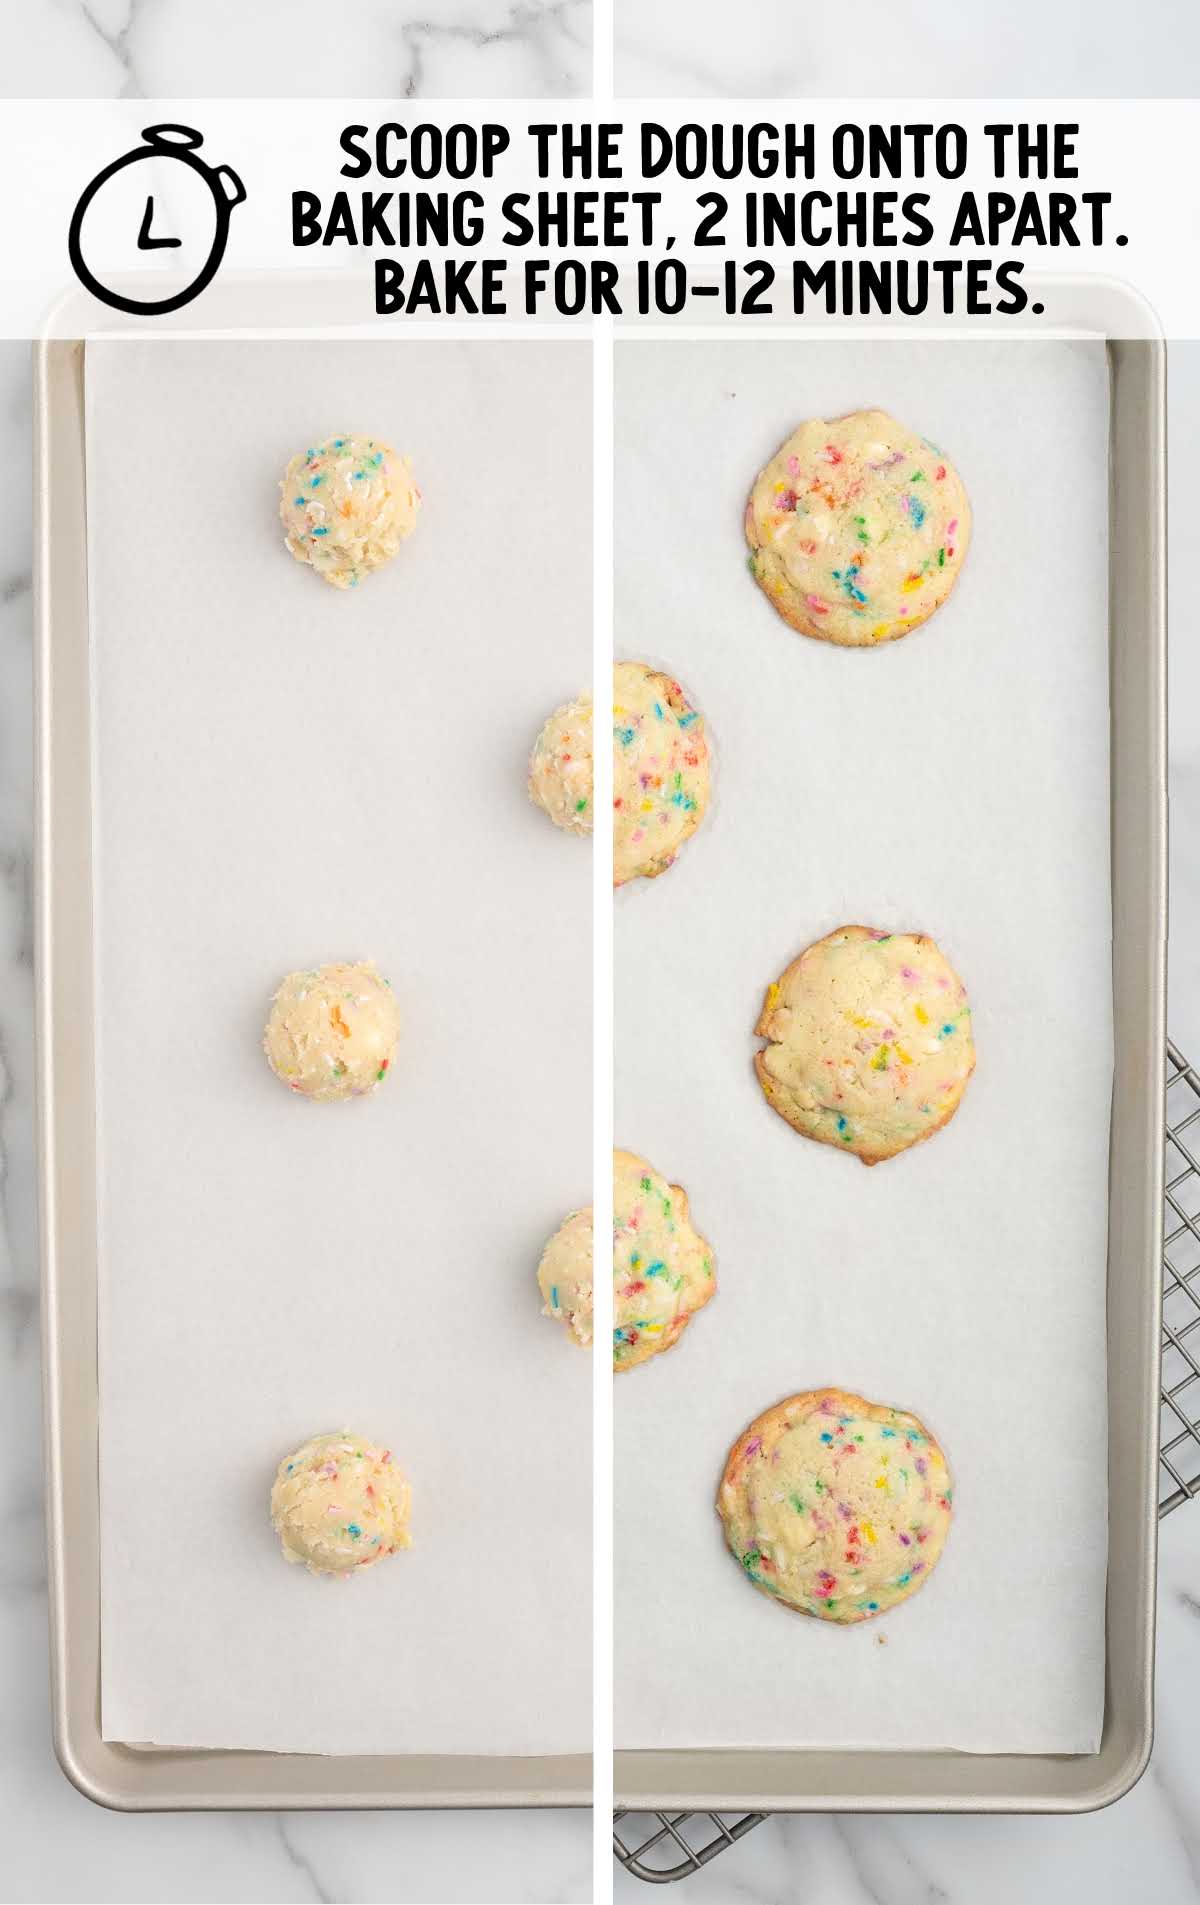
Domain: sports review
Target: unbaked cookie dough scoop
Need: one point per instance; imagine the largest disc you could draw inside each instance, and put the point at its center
(565, 1276)
(346, 506)
(560, 767)
(869, 1042)
(857, 529)
(339, 1504)
(660, 771)
(663, 1270)
(332, 1031)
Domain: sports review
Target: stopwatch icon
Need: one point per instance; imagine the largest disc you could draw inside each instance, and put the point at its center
(157, 202)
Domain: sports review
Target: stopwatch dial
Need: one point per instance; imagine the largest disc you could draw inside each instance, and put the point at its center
(157, 212)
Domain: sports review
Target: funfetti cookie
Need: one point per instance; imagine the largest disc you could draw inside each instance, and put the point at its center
(560, 766)
(339, 1504)
(332, 1031)
(565, 1276)
(835, 1506)
(857, 529)
(663, 1270)
(869, 1041)
(346, 505)
(660, 771)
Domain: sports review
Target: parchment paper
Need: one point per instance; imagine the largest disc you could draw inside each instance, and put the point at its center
(287, 775)
(954, 782)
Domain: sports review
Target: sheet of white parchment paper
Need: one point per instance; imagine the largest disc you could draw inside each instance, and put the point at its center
(956, 783)
(286, 775)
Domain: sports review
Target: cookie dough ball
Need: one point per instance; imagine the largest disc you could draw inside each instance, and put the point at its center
(565, 1276)
(870, 1042)
(346, 506)
(835, 1506)
(339, 1503)
(663, 1271)
(857, 529)
(332, 1031)
(660, 771)
(560, 767)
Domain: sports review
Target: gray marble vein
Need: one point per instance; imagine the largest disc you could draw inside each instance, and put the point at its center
(886, 1866)
(554, 39)
(313, 1887)
(114, 25)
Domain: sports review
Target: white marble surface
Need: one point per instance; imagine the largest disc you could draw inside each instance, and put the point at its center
(1031, 49)
(1036, 49)
(56, 1846)
(306, 49)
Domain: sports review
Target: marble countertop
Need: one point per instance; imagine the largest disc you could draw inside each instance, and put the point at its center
(527, 49)
(895, 49)
(225, 49)
(57, 1846)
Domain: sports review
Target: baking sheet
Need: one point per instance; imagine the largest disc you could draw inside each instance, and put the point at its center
(285, 775)
(954, 782)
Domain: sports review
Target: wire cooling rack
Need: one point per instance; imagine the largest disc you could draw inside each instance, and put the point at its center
(662, 1846)
(1179, 1449)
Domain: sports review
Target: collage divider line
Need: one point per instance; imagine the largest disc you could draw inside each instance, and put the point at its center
(602, 1032)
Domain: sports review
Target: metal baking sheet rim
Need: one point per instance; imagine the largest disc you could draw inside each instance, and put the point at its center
(696, 1780)
(125, 1777)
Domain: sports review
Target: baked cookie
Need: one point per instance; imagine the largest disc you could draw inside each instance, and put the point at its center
(857, 529)
(662, 1268)
(870, 1041)
(565, 1276)
(339, 1503)
(560, 767)
(332, 1031)
(346, 506)
(660, 771)
(835, 1506)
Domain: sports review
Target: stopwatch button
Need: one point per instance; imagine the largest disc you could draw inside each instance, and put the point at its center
(170, 135)
(231, 185)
